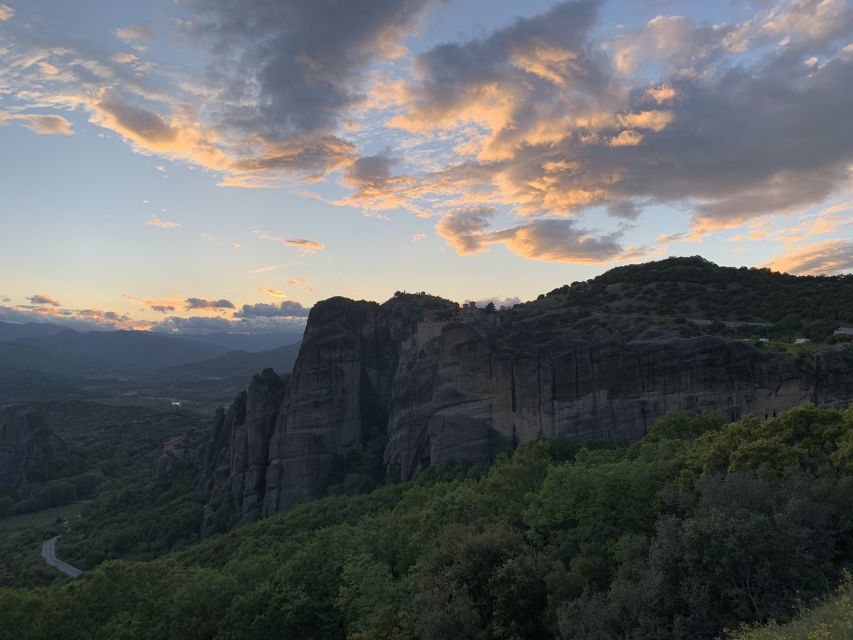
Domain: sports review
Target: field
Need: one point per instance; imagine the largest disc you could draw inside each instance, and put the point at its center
(43, 518)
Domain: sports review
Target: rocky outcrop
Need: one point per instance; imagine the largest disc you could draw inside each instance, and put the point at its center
(363, 385)
(26, 443)
(467, 396)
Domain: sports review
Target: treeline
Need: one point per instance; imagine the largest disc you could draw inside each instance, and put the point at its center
(803, 306)
(699, 527)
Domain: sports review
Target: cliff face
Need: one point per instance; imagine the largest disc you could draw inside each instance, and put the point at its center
(362, 384)
(281, 443)
(465, 396)
(340, 385)
(26, 443)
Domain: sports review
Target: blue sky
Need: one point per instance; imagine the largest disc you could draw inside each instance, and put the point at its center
(254, 152)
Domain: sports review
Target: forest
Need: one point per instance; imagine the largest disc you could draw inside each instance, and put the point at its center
(700, 530)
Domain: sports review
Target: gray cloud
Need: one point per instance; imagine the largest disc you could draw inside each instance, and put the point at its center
(162, 308)
(201, 303)
(722, 136)
(548, 239)
(41, 298)
(287, 71)
(286, 309)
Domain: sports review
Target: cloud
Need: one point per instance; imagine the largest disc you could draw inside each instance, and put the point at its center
(41, 298)
(286, 309)
(6, 12)
(201, 303)
(154, 221)
(830, 257)
(275, 293)
(549, 121)
(305, 246)
(287, 73)
(205, 325)
(553, 240)
(417, 237)
(466, 229)
(160, 306)
(78, 319)
(134, 32)
(39, 123)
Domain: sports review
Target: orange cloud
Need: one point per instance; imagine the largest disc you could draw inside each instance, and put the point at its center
(275, 293)
(154, 221)
(829, 257)
(39, 123)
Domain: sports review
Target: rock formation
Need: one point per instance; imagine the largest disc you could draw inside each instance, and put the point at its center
(363, 382)
(25, 444)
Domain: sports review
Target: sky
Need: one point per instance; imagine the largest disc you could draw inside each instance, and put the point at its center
(207, 165)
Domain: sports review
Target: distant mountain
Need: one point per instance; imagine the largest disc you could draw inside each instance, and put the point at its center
(17, 357)
(253, 342)
(121, 350)
(15, 331)
(240, 363)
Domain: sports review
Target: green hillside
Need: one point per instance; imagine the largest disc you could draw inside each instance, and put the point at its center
(699, 527)
(676, 291)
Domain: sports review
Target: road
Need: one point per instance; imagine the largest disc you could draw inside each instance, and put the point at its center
(48, 552)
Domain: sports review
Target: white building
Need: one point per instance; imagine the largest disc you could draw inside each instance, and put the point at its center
(844, 331)
(802, 341)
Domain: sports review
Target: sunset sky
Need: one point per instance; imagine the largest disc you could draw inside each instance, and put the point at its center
(191, 165)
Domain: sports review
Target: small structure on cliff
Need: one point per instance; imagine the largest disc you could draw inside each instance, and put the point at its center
(432, 323)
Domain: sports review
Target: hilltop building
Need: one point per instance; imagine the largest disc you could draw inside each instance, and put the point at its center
(844, 331)
(432, 323)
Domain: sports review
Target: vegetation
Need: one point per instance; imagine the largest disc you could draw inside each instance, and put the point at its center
(108, 479)
(832, 619)
(692, 296)
(698, 528)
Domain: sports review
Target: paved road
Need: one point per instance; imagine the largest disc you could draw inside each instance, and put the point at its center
(48, 552)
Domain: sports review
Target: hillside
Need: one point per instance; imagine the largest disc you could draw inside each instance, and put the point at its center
(377, 394)
(239, 363)
(673, 292)
(124, 350)
(15, 331)
(698, 527)
(830, 619)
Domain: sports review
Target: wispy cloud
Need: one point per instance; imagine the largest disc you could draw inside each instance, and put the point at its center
(305, 246)
(275, 293)
(154, 221)
(134, 32)
(6, 12)
(39, 123)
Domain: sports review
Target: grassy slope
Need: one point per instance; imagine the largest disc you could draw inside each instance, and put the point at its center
(829, 621)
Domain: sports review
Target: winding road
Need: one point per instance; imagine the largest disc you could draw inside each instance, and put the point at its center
(48, 552)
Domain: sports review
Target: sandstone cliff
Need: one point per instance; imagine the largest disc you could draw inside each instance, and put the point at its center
(367, 398)
(26, 443)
